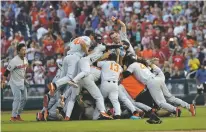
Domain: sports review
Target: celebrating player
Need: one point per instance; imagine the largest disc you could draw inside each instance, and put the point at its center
(17, 69)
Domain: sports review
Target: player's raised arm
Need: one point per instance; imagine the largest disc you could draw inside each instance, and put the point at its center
(117, 21)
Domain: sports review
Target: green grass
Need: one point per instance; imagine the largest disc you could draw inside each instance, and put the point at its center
(185, 122)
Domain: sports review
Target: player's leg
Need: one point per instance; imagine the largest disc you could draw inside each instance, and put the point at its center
(173, 99)
(92, 88)
(84, 67)
(113, 96)
(70, 105)
(16, 101)
(154, 86)
(54, 113)
(72, 61)
(22, 103)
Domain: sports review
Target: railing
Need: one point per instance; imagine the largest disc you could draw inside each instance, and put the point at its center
(181, 88)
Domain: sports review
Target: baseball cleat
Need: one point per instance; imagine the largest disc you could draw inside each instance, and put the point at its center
(178, 112)
(19, 118)
(66, 118)
(39, 116)
(192, 109)
(135, 117)
(13, 119)
(141, 114)
(105, 116)
(59, 116)
(51, 88)
(117, 117)
(72, 83)
(150, 121)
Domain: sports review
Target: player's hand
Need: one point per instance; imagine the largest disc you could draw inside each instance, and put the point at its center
(113, 18)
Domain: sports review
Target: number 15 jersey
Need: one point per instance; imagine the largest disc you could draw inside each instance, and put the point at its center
(110, 70)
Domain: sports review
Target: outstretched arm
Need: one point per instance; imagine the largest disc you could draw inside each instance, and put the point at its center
(117, 21)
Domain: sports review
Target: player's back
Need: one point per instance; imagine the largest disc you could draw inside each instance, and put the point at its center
(75, 45)
(141, 72)
(110, 70)
(100, 48)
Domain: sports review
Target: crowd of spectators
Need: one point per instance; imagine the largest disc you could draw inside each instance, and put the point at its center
(173, 31)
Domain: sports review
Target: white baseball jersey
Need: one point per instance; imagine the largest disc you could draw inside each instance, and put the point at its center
(123, 36)
(17, 68)
(110, 70)
(141, 72)
(75, 45)
(100, 48)
(96, 72)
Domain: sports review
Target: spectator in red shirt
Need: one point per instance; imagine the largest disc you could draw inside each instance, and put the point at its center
(81, 18)
(157, 53)
(49, 47)
(52, 69)
(178, 60)
(59, 44)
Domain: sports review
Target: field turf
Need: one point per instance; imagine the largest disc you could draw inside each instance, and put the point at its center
(185, 123)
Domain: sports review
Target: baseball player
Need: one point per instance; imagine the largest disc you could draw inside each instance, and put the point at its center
(169, 97)
(78, 48)
(87, 76)
(118, 37)
(96, 55)
(17, 69)
(154, 84)
(110, 71)
(49, 100)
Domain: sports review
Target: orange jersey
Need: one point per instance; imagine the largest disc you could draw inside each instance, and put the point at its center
(133, 86)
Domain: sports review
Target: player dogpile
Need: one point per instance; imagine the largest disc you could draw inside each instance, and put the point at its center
(129, 86)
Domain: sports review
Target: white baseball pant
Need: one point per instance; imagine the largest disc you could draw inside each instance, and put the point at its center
(110, 89)
(154, 86)
(19, 101)
(70, 95)
(169, 97)
(70, 64)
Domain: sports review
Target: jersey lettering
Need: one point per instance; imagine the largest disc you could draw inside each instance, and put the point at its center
(114, 67)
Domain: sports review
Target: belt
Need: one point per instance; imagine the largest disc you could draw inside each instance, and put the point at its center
(112, 81)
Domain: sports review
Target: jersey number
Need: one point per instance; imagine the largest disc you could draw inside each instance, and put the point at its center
(77, 41)
(114, 67)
